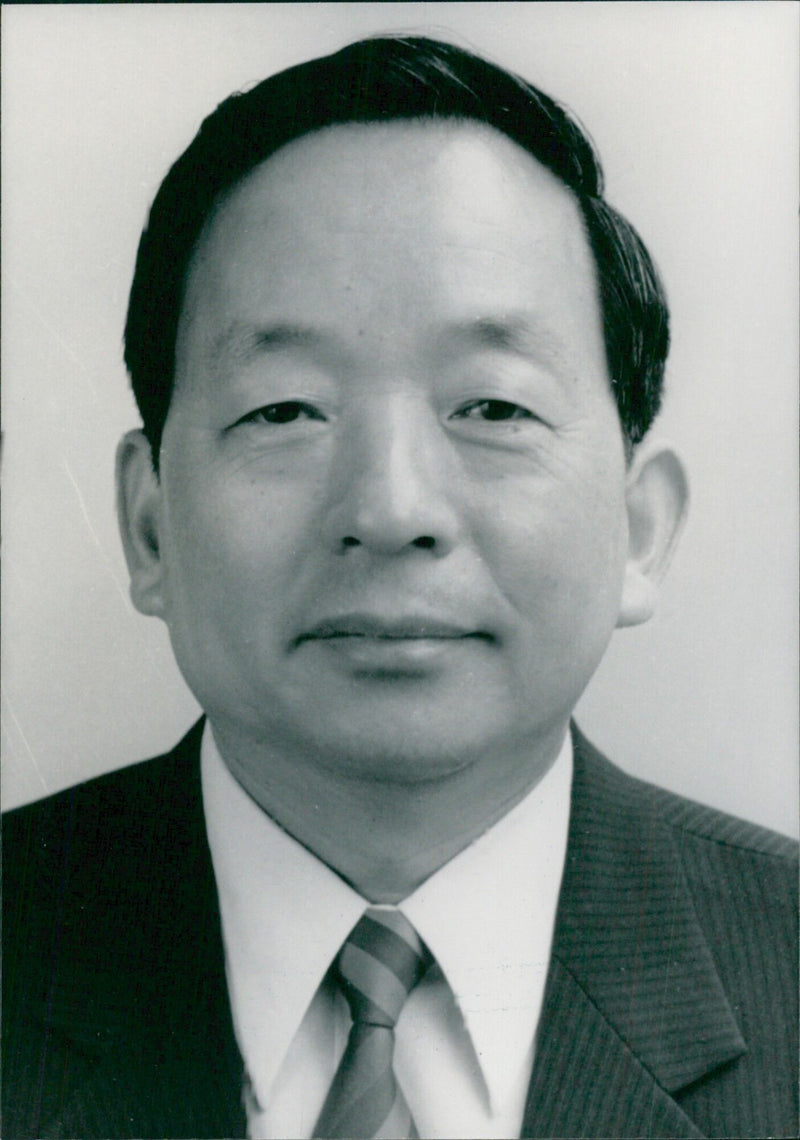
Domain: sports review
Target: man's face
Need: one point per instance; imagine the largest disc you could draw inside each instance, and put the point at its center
(391, 521)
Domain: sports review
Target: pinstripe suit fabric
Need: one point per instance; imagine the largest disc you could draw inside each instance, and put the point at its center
(670, 1008)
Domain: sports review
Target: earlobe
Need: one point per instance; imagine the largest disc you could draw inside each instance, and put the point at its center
(138, 514)
(657, 497)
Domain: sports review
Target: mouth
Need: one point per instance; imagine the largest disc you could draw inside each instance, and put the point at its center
(407, 628)
(390, 649)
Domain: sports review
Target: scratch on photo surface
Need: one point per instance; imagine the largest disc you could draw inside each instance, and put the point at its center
(14, 286)
(120, 587)
(24, 739)
(122, 592)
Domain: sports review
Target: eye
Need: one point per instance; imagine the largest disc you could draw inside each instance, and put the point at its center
(494, 411)
(286, 412)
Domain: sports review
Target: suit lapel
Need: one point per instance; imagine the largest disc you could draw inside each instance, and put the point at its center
(587, 1082)
(634, 1008)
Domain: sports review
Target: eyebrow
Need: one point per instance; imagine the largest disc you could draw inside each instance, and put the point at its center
(243, 341)
(520, 333)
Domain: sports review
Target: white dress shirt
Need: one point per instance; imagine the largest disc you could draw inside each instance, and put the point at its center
(465, 1038)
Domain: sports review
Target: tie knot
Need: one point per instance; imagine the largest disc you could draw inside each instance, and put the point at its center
(379, 965)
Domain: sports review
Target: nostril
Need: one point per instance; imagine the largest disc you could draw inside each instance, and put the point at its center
(425, 542)
(348, 540)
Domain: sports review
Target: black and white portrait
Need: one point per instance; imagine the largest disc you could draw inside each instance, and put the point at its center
(400, 411)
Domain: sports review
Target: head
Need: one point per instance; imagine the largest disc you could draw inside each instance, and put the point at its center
(395, 359)
(380, 80)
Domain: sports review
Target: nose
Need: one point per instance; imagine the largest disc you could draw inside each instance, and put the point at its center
(392, 486)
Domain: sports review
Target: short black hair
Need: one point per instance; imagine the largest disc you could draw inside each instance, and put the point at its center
(377, 80)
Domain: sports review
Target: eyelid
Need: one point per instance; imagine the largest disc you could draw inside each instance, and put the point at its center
(311, 412)
(469, 405)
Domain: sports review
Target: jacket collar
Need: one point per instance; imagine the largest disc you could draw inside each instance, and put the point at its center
(633, 993)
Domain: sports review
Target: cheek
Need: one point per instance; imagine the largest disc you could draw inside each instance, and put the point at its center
(558, 554)
(232, 527)
(216, 554)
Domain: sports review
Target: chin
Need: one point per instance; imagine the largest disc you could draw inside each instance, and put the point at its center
(412, 752)
(400, 767)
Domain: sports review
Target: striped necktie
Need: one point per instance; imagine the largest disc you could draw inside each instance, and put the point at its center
(378, 966)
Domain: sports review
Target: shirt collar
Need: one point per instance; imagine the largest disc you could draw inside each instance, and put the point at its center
(284, 916)
(487, 916)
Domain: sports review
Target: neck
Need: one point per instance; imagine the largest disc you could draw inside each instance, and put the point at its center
(386, 837)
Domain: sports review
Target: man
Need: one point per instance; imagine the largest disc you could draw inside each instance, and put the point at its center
(396, 360)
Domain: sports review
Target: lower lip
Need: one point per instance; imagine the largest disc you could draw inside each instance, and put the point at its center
(392, 654)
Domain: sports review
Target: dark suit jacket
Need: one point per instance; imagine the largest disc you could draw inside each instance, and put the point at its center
(670, 1008)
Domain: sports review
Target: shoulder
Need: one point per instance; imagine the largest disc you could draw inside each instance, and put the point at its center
(109, 913)
(687, 818)
(121, 799)
(93, 847)
(96, 869)
(681, 921)
(732, 867)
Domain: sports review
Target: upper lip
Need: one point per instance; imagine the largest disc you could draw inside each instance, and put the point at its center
(409, 626)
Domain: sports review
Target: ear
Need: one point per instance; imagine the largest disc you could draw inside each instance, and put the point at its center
(138, 514)
(657, 496)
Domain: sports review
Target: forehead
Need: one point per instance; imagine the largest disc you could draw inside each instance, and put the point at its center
(399, 224)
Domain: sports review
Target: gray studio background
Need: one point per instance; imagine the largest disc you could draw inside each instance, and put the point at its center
(694, 109)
